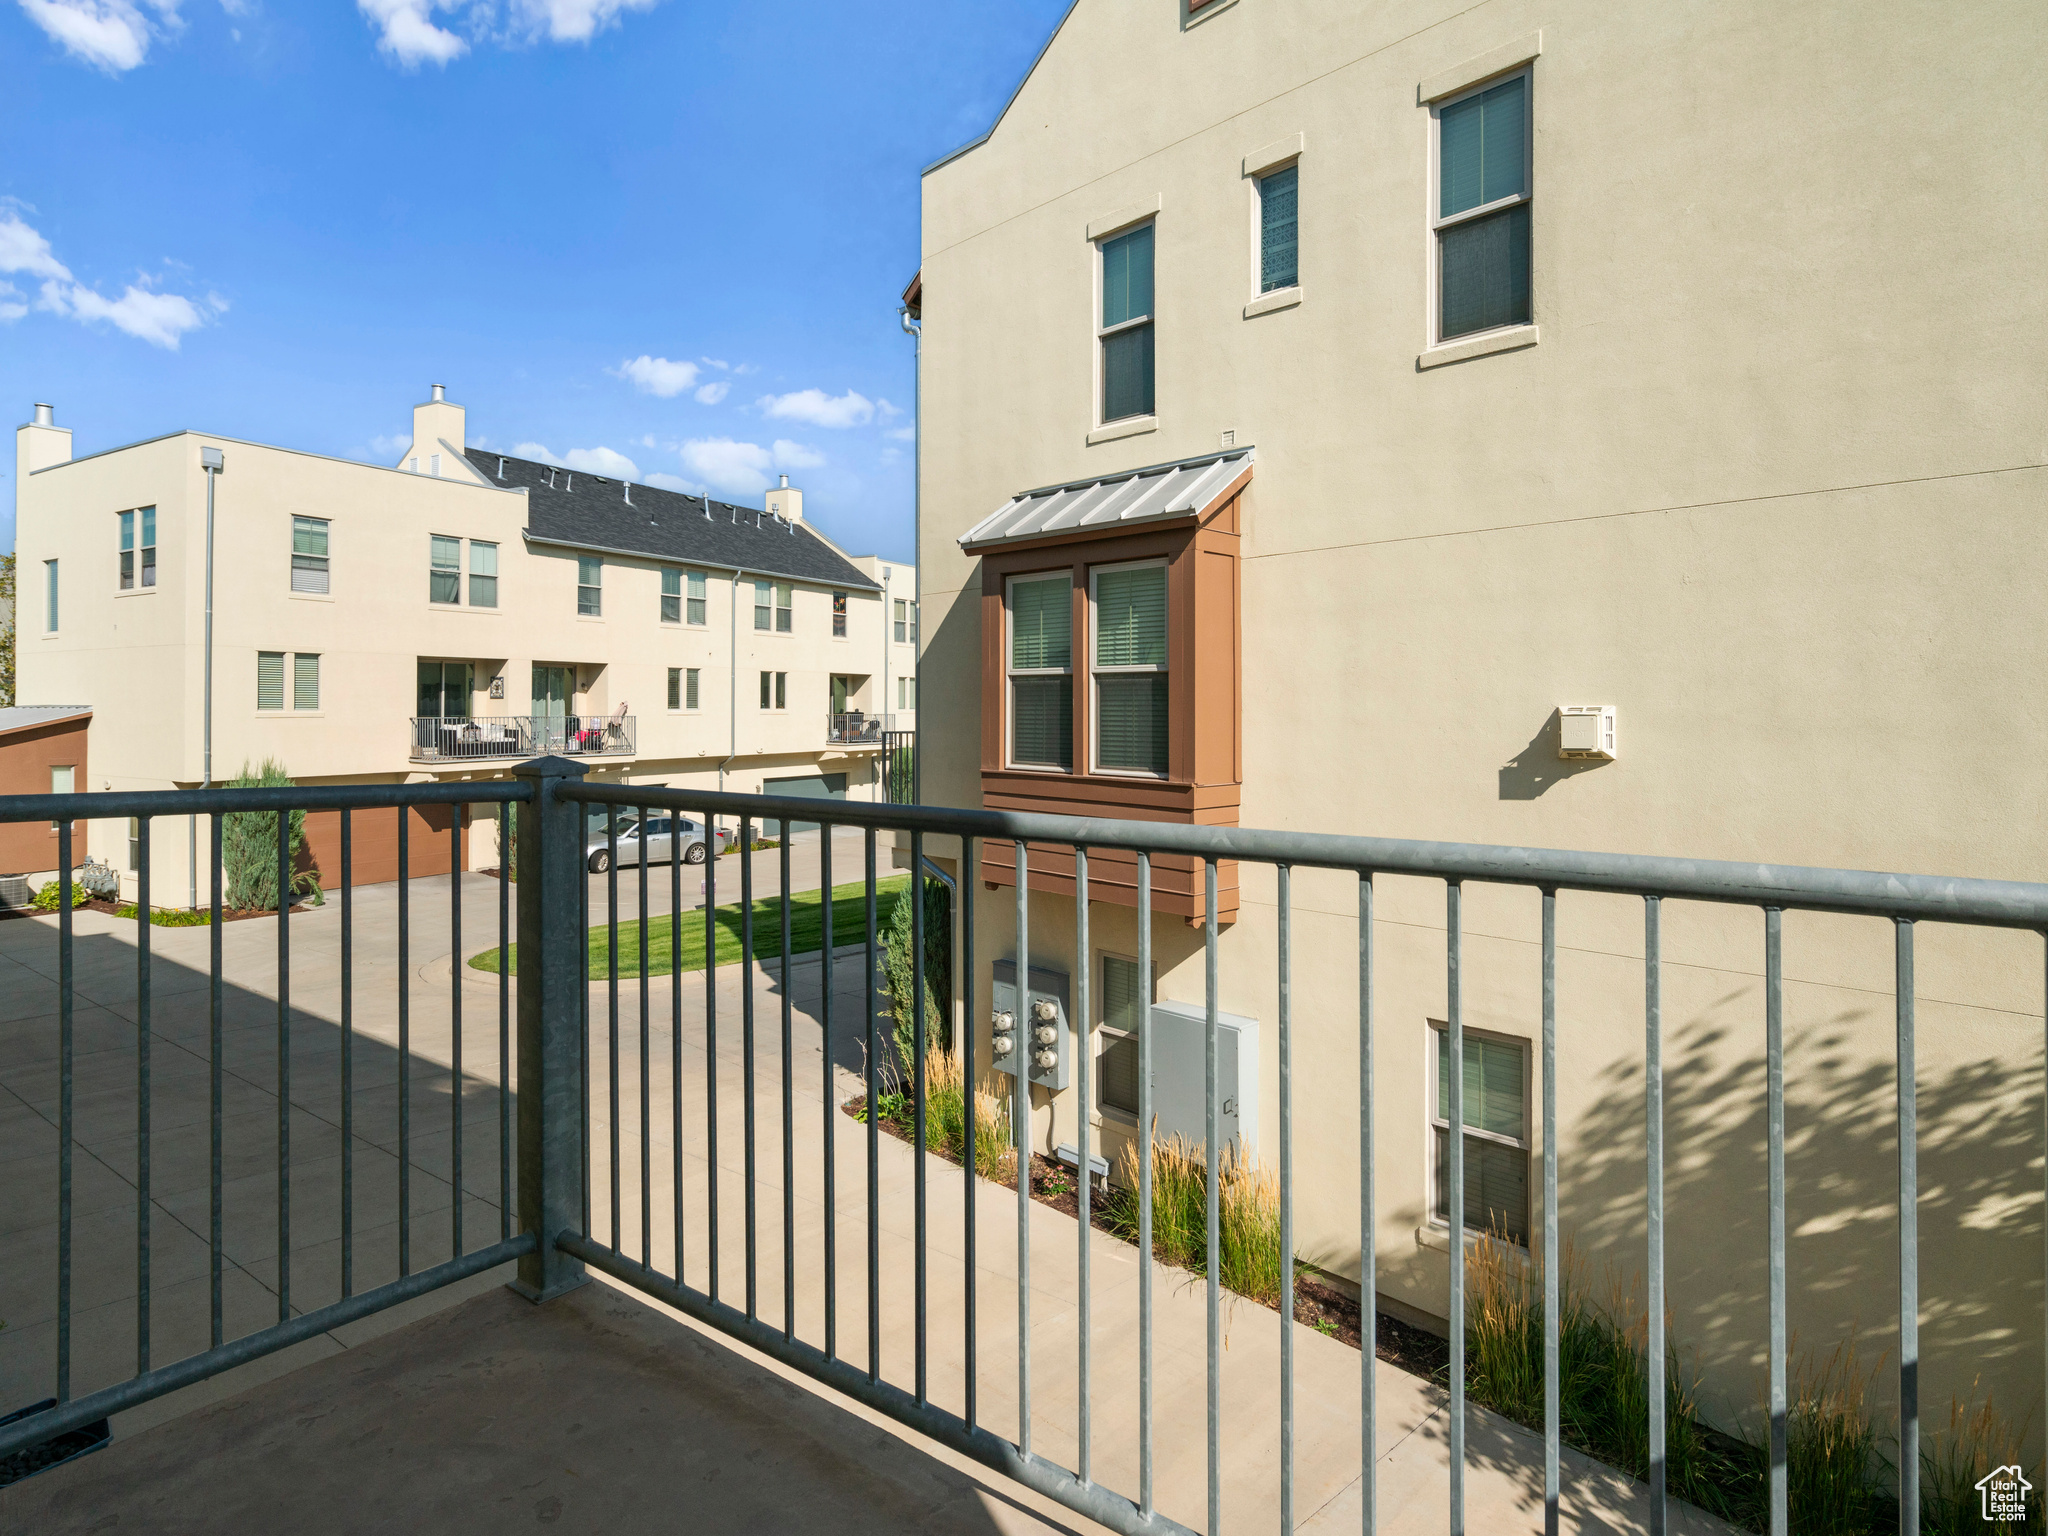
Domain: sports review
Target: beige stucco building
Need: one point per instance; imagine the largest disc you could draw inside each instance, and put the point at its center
(440, 619)
(1684, 363)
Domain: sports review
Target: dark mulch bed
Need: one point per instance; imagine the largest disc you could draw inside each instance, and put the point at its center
(1317, 1303)
(228, 914)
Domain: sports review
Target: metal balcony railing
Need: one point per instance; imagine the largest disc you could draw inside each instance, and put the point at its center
(575, 1196)
(857, 729)
(456, 738)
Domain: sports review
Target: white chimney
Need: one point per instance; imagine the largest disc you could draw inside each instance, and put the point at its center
(435, 422)
(787, 502)
(40, 443)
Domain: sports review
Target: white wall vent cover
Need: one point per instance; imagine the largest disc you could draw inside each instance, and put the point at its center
(1586, 731)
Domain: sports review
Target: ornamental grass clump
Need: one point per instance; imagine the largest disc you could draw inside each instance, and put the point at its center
(1953, 1460)
(1247, 1219)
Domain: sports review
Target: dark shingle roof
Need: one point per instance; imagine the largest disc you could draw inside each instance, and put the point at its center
(591, 512)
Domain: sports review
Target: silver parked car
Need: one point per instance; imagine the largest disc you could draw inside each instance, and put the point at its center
(664, 834)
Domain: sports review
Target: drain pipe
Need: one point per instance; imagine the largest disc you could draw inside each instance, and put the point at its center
(914, 329)
(212, 463)
(732, 692)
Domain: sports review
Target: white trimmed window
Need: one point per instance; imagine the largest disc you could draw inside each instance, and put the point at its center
(696, 598)
(902, 620)
(1123, 1015)
(63, 781)
(309, 554)
(270, 680)
(444, 569)
(138, 548)
(50, 597)
(1279, 229)
(1040, 615)
(1481, 213)
(1124, 332)
(305, 681)
(1496, 1133)
(483, 574)
(589, 586)
(682, 688)
(1128, 663)
(671, 601)
(775, 690)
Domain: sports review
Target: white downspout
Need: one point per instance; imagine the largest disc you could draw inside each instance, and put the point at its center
(915, 331)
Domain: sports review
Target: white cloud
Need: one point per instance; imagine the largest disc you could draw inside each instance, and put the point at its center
(741, 468)
(902, 434)
(714, 362)
(385, 447)
(820, 409)
(711, 394)
(406, 31)
(656, 375)
(112, 34)
(141, 310)
(676, 483)
(888, 411)
(790, 455)
(589, 461)
(891, 455)
(572, 21)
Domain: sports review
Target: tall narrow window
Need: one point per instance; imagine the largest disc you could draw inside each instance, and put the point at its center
(134, 844)
(690, 688)
(1279, 247)
(63, 781)
(590, 586)
(270, 679)
(1042, 672)
(148, 516)
(696, 612)
(1496, 1136)
(785, 596)
(309, 554)
(50, 597)
(782, 690)
(305, 681)
(671, 599)
(764, 605)
(767, 689)
(1126, 329)
(902, 620)
(1482, 214)
(913, 623)
(444, 574)
(1123, 1015)
(1130, 669)
(675, 687)
(839, 615)
(127, 522)
(483, 574)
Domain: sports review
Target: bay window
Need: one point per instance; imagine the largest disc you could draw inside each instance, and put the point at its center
(1129, 668)
(1041, 666)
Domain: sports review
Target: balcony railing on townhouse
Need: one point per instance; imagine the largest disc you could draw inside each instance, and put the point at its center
(459, 738)
(572, 1202)
(854, 728)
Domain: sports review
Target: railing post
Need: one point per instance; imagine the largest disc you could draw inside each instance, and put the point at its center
(553, 975)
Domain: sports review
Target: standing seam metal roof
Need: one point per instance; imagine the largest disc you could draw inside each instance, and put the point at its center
(1137, 496)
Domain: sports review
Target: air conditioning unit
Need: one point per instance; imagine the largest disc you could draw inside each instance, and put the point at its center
(1586, 731)
(1179, 1075)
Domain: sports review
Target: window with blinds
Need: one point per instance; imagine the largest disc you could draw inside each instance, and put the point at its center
(270, 679)
(696, 598)
(675, 687)
(902, 620)
(1123, 1015)
(305, 681)
(1126, 328)
(483, 574)
(126, 523)
(444, 569)
(1482, 214)
(309, 554)
(1279, 248)
(785, 598)
(689, 688)
(1496, 1136)
(1130, 675)
(589, 586)
(1042, 672)
(671, 601)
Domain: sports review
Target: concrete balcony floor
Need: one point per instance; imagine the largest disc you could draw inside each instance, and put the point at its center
(472, 1410)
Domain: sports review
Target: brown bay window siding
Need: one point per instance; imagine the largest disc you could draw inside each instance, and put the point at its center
(1205, 752)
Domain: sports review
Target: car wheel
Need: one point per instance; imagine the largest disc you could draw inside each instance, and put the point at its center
(695, 854)
(600, 861)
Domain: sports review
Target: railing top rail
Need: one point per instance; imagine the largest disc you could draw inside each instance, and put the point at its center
(1935, 898)
(294, 797)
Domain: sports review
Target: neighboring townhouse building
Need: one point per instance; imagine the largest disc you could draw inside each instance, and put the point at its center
(898, 582)
(42, 752)
(1325, 404)
(442, 619)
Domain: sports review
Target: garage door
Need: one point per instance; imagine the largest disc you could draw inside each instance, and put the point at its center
(813, 786)
(373, 843)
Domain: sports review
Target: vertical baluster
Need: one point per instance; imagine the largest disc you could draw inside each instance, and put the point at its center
(214, 1086)
(284, 1065)
(405, 1040)
(711, 854)
(583, 1017)
(64, 1126)
(142, 1096)
(1454, 1206)
(1081, 1041)
(1909, 1245)
(747, 1047)
(1282, 874)
(914, 894)
(611, 985)
(1774, 1114)
(1212, 1133)
(646, 1100)
(1551, 1254)
(1368, 1247)
(969, 1027)
(505, 814)
(1145, 1132)
(455, 1030)
(348, 1053)
(874, 1128)
(830, 1087)
(1020, 1127)
(675, 1001)
(1653, 1115)
(788, 1107)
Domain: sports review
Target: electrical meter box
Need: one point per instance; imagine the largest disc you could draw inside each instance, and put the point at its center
(1034, 1031)
(1180, 1034)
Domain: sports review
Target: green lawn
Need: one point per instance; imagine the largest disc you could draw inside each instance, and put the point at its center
(806, 931)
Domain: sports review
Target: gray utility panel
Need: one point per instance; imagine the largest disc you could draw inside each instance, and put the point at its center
(810, 786)
(1179, 1054)
(1037, 1031)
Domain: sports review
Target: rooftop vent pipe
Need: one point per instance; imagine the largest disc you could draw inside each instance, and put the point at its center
(501, 466)
(629, 493)
(785, 482)
(440, 393)
(45, 417)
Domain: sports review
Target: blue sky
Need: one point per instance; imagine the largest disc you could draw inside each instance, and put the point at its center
(665, 230)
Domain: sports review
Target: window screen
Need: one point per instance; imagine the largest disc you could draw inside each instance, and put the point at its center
(270, 679)
(305, 681)
(1279, 265)
(1483, 260)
